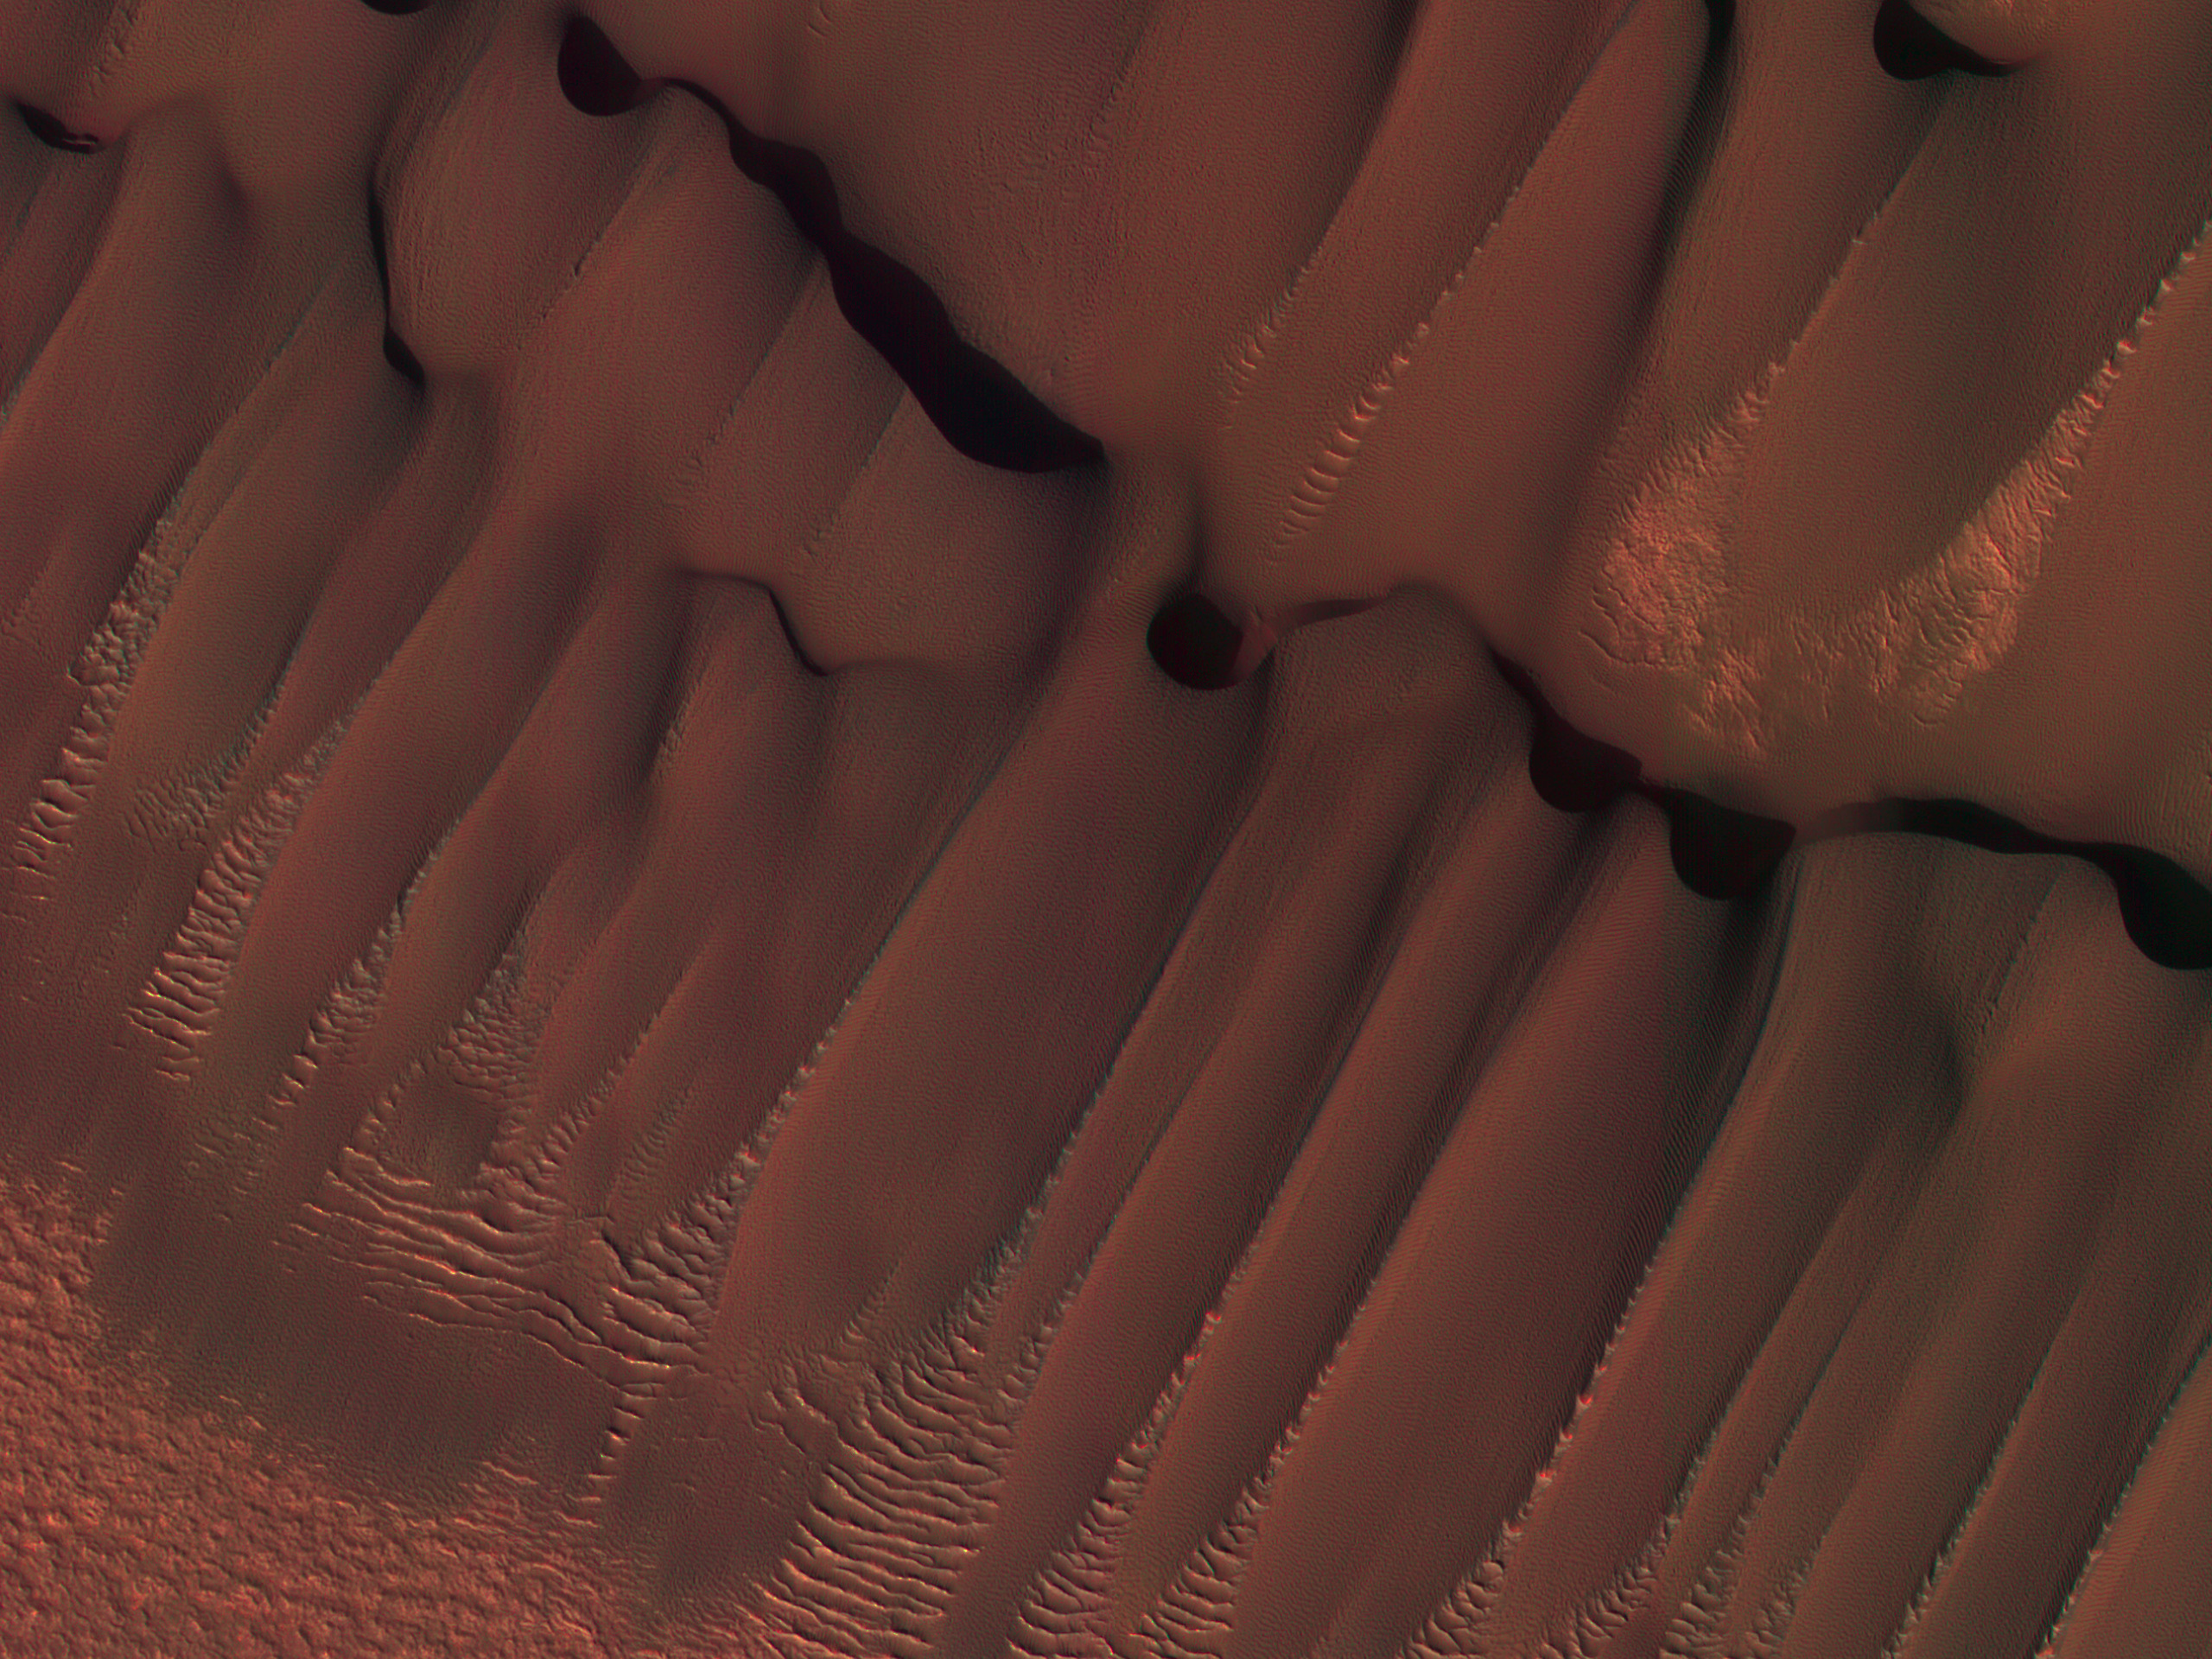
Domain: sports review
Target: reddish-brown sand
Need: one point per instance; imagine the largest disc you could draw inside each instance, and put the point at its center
(846, 828)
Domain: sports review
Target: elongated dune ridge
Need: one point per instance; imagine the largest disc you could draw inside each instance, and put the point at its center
(1167, 828)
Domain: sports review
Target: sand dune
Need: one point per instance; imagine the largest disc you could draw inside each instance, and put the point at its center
(855, 829)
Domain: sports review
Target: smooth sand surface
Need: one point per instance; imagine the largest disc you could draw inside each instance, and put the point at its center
(850, 828)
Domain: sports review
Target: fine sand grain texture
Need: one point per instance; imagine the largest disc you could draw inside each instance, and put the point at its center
(1162, 828)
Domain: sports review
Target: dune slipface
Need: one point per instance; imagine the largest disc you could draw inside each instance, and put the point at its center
(846, 828)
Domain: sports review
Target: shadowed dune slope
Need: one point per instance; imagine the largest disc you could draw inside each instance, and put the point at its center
(636, 1021)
